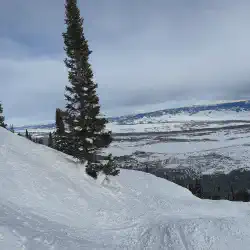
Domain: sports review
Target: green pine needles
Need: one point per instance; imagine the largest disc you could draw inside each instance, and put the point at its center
(85, 132)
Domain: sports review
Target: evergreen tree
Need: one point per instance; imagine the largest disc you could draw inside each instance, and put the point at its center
(27, 134)
(61, 143)
(60, 128)
(85, 124)
(2, 124)
(110, 168)
(50, 142)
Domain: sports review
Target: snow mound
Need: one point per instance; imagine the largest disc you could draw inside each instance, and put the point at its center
(48, 202)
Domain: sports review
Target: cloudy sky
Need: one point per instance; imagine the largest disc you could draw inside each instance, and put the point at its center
(146, 54)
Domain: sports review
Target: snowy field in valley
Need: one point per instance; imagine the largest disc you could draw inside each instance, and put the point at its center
(178, 144)
(182, 121)
(170, 126)
(206, 115)
(220, 150)
(47, 202)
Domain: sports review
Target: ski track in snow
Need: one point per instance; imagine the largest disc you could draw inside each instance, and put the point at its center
(48, 202)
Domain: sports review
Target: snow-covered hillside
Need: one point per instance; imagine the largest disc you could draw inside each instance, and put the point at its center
(47, 202)
(178, 119)
(206, 115)
(233, 110)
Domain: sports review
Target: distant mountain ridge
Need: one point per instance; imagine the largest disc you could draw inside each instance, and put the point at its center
(236, 106)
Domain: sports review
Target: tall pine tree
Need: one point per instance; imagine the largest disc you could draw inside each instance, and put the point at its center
(85, 124)
(2, 124)
(27, 134)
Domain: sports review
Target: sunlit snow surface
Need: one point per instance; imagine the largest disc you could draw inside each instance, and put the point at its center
(47, 202)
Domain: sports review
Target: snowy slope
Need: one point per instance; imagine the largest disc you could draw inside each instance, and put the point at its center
(47, 202)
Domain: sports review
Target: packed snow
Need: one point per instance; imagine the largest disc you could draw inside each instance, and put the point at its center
(48, 202)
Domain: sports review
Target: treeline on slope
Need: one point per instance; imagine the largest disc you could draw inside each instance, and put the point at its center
(2, 119)
(233, 186)
(233, 195)
(11, 128)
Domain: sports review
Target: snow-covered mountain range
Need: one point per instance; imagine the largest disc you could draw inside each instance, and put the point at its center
(163, 120)
(233, 110)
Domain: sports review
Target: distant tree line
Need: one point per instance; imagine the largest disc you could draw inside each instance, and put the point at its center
(216, 190)
(238, 195)
(11, 128)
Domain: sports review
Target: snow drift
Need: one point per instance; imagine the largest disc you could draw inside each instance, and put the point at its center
(48, 202)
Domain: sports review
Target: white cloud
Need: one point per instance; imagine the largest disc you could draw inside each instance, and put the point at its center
(144, 55)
